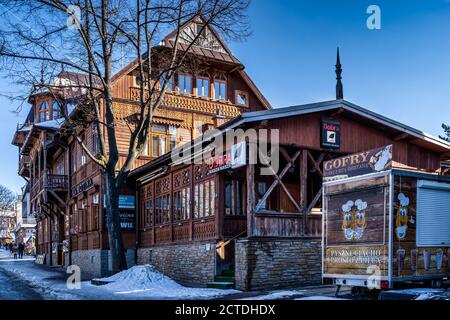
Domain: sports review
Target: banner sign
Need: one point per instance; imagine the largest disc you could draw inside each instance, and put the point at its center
(86, 185)
(375, 160)
(233, 159)
(330, 135)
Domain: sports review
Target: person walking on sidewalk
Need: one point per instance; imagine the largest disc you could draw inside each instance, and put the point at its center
(14, 251)
(21, 249)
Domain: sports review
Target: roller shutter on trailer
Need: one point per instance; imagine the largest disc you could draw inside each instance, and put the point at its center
(433, 213)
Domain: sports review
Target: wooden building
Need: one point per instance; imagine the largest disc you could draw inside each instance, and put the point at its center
(216, 223)
(66, 186)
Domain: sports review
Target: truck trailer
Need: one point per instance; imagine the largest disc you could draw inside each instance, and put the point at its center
(384, 225)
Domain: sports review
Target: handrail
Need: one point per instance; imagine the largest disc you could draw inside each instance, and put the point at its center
(229, 240)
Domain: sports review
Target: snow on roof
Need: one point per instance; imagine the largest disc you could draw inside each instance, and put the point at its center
(51, 124)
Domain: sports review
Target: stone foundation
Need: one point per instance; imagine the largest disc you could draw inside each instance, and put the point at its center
(192, 263)
(267, 264)
(97, 263)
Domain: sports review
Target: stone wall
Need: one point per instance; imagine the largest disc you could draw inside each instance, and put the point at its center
(192, 263)
(267, 264)
(97, 263)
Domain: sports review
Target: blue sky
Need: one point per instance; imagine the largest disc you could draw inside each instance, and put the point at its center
(401, 71)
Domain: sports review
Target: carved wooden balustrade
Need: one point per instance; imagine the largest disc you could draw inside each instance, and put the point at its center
(193, 103)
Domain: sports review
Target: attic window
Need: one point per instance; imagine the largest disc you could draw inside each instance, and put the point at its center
(199, 27)
(241, 98)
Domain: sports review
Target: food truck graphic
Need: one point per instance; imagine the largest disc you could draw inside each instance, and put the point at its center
(383, 225)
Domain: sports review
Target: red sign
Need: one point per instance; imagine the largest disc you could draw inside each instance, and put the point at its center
(219, 163)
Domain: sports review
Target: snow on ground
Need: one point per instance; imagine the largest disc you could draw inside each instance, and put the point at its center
(277, 295)
(137, 283)
(317, 298)
(424, 293)
(147, 281)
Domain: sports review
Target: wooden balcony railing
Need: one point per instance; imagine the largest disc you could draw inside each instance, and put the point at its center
(193, 103)
(49, 181)
(24, 165)
(56, 181)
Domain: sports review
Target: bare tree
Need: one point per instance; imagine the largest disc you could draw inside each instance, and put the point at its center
(7, 214)
(103, 36)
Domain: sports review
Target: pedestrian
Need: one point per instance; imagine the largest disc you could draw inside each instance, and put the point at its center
(21, 249)
(14, 251)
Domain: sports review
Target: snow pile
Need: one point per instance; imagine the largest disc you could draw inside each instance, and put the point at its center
(145, 280)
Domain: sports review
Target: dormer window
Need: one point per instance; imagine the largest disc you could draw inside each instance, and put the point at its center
(56, 110)
(43, 112)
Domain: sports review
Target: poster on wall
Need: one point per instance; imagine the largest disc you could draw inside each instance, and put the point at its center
(371, 161)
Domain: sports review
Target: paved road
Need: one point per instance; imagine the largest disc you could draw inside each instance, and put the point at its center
(12, 288)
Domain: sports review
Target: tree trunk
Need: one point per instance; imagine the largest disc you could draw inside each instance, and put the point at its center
(118, 261)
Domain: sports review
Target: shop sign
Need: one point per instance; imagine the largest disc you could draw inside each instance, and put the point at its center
(330, 134)
(375, 160)
(126, 220)
(233, 159)
(86, 185)
(125, 201)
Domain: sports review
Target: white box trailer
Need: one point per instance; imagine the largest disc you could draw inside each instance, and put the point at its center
(386, 227)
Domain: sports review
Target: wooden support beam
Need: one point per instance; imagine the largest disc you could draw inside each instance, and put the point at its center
(303, 187)
(315, 164)
(250, 198)
(314, 201)
(278, 179)
(275, 182)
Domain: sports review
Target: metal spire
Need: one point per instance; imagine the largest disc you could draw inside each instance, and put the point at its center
(339, 87)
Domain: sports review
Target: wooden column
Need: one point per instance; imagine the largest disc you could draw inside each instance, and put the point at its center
(303, 188)
(250, 198)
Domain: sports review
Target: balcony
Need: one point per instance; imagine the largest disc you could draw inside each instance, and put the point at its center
(24, 166)
(190, 102)
(50, 182)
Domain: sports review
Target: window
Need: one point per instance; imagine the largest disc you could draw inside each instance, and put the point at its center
(162, 209)
(242, 98)
(169, 82)
(204, 199)
(185, 83)
(74, 157)
(159, 140)
(56, 110)
(202, 87)
(261, 186)
(43, 112)
(220, 89)
(155, 146)
(148, 213)
(60, 165)
(95, 142)
(433, 213)
(233, 198)
(95, 198)
(181, 204)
